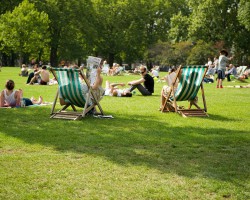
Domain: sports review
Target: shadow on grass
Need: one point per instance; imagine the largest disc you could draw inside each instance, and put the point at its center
(220, 118)
(217, 153)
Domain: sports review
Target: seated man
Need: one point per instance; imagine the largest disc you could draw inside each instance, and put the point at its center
(146, 79)
(231, 71)
(32, 74)
(44, 74)
(112, 90)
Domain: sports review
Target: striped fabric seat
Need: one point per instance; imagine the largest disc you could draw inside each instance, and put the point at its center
(70, 86)
(190, 81)
(70, 90)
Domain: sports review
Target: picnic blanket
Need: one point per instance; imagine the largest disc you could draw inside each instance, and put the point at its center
(32, 106)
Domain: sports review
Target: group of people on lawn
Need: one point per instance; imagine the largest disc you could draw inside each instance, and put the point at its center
(11, 97)
(223, 69)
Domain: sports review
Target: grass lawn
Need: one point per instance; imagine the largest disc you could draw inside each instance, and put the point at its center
(140, 154)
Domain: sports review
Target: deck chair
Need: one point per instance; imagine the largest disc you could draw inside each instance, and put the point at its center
(240, 72)
(105, 69)
(70, 90)
(191, 78)
(119, 70)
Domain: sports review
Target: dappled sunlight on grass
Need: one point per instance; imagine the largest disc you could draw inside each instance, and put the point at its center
(188, 151)
(141, 153)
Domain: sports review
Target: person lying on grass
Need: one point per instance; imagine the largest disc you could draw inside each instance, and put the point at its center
(113, 90)
(12, 98)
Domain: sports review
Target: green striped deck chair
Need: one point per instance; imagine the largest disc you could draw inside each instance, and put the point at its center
(190, 81)
(69, 87)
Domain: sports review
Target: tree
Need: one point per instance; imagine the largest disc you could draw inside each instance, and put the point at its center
(200, 52)
(216, 20)
(8, 5)
(25, 30)
(127, 28)
(120, 29)
(179, 28)
(167, 54)
(244, 13)
(71, 28)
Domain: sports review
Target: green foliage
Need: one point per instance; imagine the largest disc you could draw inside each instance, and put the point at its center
(167, 54)
(200, 52)
(244, 13)
(123, 30)
(71, 28)
(8, 5)
(179, 28)
(25, 30)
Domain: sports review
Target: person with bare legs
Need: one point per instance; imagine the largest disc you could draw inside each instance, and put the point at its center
(223, 60)
(10, 97)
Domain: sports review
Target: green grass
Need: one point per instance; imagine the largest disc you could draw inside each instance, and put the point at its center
(140, 154)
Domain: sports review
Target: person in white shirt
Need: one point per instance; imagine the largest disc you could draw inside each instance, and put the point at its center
(223, 60)
(10, 97)
(113, 90)
(211, 70)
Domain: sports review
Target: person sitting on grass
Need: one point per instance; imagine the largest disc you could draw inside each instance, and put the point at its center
(231, 71)
(44, 76)
(146, 79)
(32, 74)
(24, 71)
(112, 90)
(12, 98)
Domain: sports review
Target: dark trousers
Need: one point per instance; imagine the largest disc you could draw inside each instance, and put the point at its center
(228, 77)
(142, 89)
(31, 75)
(27, 101)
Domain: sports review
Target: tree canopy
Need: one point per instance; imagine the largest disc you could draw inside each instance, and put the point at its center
(124, 30)
(24, 30)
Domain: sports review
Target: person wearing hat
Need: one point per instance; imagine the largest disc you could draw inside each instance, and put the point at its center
(223, 60)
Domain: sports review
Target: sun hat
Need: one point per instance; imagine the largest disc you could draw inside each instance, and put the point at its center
(223, 51)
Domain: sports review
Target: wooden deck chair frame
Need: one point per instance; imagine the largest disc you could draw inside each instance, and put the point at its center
(71, 77)
(187, 91)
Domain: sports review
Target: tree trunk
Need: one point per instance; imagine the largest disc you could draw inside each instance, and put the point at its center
(4, 59)
(111, 59)
(40, 55)
(53, 57)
